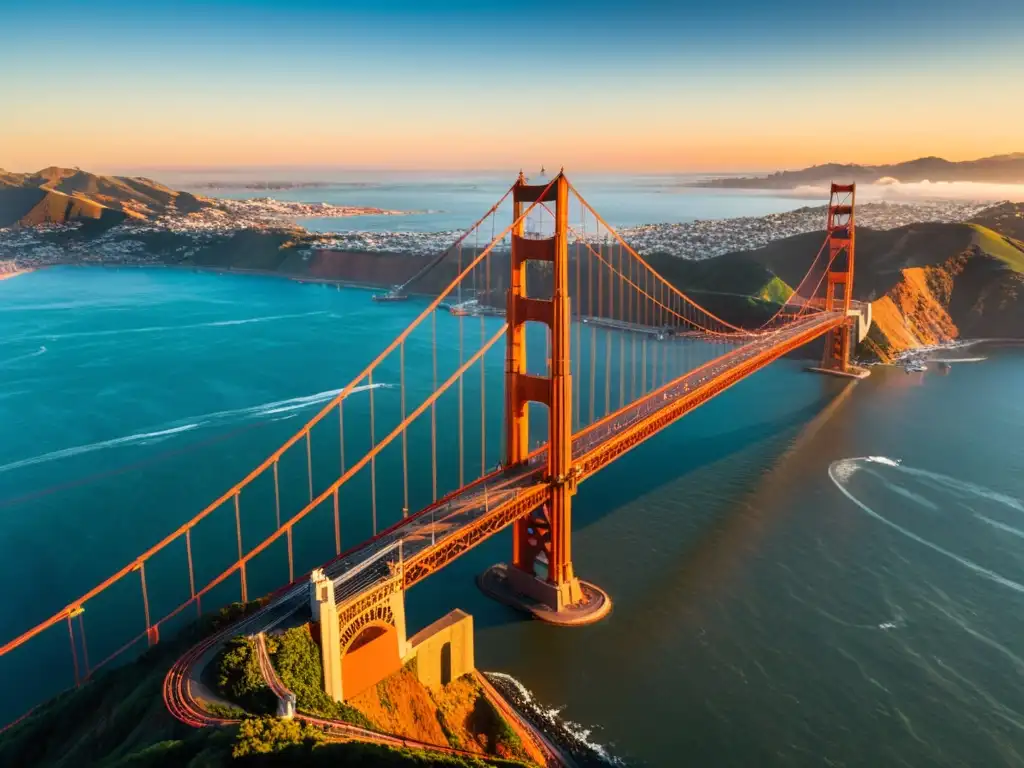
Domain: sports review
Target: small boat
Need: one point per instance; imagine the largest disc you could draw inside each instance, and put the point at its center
(392, 295)
(465, 308)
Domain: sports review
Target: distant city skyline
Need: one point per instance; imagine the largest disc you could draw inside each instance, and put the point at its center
(451, 85)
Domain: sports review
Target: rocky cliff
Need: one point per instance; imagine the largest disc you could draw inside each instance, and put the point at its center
(975, 293)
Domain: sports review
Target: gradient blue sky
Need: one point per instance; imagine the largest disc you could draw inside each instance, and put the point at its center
(638, 85)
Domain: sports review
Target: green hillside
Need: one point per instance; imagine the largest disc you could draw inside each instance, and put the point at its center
(1006, 249)
(118, 720)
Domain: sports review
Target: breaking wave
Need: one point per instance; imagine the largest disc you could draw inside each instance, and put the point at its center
(217, 418)
(966, 496)
(571, 736)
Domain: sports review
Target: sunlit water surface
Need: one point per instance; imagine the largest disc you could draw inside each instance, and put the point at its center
(803, 570)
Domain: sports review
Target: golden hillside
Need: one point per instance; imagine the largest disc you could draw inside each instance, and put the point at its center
(57, 195)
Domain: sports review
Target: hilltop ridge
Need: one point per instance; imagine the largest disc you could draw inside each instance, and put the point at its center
(56, 195)
(1001, 169)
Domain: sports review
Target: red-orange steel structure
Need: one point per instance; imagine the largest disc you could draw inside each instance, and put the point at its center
(549, 532)
(533, 491)
(839, 287)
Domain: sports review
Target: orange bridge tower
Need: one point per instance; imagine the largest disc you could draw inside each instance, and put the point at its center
(839, 286)
(540, 578)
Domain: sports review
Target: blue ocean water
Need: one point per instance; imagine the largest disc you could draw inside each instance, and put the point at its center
(458, 199)
(777, 600)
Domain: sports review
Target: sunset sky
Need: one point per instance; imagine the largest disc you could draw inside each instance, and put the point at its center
(599, 85)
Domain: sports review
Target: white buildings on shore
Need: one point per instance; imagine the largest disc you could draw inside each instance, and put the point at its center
(129, 243)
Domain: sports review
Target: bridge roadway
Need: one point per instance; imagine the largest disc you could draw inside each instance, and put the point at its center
(422, 543)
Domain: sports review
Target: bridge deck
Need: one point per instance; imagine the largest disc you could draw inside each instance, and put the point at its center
(438, 534)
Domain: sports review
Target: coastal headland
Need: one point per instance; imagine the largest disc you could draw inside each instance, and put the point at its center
(935, 272)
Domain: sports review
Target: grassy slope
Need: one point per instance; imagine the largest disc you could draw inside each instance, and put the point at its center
(118, 719)
(1007, 250)
(881, 255)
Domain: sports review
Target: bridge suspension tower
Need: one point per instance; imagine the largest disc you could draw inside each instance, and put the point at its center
(545, 534)
(839, 279)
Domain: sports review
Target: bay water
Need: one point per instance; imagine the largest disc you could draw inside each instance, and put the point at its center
(803, 570)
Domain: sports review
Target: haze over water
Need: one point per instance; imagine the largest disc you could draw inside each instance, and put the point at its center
(458, 199)
(775, 600)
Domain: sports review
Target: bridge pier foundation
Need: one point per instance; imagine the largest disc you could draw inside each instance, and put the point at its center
(853, 372)
(542, 599)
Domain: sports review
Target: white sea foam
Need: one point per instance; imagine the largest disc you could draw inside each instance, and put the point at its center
(281, 406)
(37, 353)
(165, 328)
(65, 453)
(840, 472)
(218, 418)
(883, 460)
(551, 715)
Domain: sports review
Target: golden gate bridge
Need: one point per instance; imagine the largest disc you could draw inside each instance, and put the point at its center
(614, 373)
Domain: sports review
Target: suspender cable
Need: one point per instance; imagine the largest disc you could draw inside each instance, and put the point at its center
(646, 300)
(309, 462)
(590, 274)
(483, 402)
(654, 364)
(145, 594)
(191, 571)
(664, 362)
(337, 524)
(405, 434)
(643, 369)
(462, 416)
(487, 264)
(590, 312)
(622, 285)
(622, 369)
(341, 438)
(373, 460)
(291, 557)
(593, 370)
(85, 644)
(433, 407)
(607, 372)
(629, 297)
(74, 650)
(277, 497)
(632, 365)
(577, 372)
(238, 532)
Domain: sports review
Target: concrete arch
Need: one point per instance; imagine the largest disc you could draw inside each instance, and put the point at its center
(379, 615)
(370, 654)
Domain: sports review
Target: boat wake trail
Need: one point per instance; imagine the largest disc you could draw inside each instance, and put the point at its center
(66, 453)
(37, 353)
(165, 328)
(953, 494)
(218, 418)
